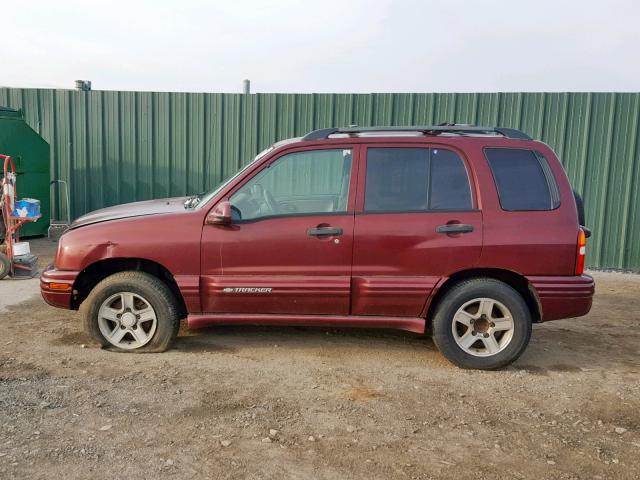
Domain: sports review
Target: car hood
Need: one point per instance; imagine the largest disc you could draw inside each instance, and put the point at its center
(128, 210)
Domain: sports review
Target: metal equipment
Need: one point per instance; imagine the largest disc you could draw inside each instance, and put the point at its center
(57, 225)
(11, 264)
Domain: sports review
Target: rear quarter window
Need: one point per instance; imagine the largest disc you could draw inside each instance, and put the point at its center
(523, 179)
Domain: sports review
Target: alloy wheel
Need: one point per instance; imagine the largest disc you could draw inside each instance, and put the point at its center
(483, 327)
(127, 320)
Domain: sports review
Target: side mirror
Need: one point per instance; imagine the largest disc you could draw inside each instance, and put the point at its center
(221, 214)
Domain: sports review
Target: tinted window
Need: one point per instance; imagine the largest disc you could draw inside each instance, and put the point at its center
(415, 179)
(449, 182)
(523, 179)
(298, 183)
(396, 179)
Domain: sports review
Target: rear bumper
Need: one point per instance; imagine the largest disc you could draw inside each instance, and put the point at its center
(59, 296)
(563, 297)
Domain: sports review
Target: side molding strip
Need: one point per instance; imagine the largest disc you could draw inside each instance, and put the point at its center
(410, 324)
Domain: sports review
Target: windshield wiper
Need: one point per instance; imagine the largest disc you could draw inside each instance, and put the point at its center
(193, 200)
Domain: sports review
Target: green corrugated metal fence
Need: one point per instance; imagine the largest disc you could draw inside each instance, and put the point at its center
(116, 147)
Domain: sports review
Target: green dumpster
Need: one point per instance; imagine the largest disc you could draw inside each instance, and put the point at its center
(30, 153)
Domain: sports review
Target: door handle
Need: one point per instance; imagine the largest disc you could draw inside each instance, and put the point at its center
(450, 228)
(324, 232)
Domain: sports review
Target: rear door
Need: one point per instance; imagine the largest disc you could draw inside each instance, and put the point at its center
(416, 222)
(290, 246)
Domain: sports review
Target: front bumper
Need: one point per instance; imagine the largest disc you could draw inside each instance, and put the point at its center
(563, 297)
(56, 286)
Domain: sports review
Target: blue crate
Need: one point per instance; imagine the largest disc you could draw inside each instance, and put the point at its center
(27, 208)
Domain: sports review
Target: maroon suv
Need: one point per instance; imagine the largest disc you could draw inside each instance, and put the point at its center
(468, 233)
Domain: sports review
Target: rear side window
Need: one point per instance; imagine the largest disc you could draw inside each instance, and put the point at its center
(523, 178)
(415, 179)
(449, 182)
(396, 179)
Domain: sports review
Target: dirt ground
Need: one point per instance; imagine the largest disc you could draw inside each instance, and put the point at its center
(276, 403)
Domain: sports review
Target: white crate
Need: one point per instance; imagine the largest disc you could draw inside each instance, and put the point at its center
(21, 248)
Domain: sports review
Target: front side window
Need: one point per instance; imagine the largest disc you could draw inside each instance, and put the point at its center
(523, 179)
(301, 183)
(415, 179)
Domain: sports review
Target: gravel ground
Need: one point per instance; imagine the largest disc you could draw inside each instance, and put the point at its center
(274, 403)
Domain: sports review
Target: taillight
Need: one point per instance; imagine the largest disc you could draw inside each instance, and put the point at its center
(581, 252)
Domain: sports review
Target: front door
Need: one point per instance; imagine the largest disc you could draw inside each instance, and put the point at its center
(416, 223)
(289, 249)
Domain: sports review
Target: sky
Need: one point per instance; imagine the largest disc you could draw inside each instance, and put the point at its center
(323, 46)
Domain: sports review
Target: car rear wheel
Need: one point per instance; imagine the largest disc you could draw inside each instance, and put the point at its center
(482, 324)
(131, 311)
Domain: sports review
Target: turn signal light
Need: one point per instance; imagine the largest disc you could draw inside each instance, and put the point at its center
(582, 250)
(59, 286)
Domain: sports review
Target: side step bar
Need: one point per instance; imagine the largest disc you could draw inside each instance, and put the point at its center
(410, 324)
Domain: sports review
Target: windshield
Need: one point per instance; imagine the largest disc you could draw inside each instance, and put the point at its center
(202, 198)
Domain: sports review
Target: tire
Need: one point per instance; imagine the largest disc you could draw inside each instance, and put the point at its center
(136, 310)
(5, 266)
(501, 335)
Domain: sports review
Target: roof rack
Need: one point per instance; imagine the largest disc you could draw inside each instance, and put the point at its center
(325, 133)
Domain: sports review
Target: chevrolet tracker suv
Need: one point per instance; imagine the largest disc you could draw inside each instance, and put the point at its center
(468, 233)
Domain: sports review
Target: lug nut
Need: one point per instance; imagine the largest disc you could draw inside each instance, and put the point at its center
(492, 324)
(486, 335)
(471, 321)
(474, 333)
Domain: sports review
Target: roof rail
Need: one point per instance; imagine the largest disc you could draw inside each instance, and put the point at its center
(324, 133)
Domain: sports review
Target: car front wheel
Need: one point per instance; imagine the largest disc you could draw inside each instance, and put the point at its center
(482, 324)
(131, 311)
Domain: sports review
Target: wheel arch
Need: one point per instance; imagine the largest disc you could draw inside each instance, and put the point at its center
(91, 275)
(515, 280)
